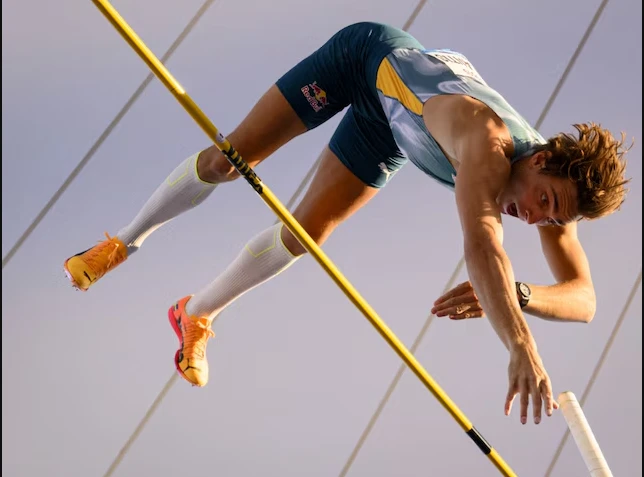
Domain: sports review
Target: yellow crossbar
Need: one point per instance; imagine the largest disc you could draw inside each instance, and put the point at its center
(296, 229)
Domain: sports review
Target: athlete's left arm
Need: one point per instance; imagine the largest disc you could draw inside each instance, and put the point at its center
(572, 298)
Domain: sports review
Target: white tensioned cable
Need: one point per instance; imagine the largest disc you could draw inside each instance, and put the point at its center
(168, 385)
(425, 327)
(598, 367)
(173, 379)
(104, 135)
(461, 262)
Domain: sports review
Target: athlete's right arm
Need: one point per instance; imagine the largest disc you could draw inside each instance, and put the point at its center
(483, 171)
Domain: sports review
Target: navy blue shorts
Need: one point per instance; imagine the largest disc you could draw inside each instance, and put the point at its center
(343, 73)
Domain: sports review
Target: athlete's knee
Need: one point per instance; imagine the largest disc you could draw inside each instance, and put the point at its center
(318, 232)
(212, 166)
(292, 244)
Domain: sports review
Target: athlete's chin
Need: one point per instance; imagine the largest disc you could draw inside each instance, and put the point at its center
(502, 201)
(505, 197)
(504, 205)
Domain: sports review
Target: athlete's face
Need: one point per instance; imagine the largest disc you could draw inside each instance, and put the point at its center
(538, 198)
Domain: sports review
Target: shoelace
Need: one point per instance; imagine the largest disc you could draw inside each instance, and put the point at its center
(196, 337)
(99, 261)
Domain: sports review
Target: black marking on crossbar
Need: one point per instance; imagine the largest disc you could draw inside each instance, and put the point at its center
(244, 169)
(479, 440)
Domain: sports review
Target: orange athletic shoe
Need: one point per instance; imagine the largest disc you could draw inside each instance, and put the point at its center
(193, 333)
(85, 268)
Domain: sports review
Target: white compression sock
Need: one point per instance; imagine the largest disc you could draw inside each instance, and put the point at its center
(181, 191)
(262, 258)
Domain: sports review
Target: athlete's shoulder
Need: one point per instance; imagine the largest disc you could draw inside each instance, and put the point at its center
(461, 123)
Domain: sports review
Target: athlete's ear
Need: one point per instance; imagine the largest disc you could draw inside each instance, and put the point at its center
(539, 159)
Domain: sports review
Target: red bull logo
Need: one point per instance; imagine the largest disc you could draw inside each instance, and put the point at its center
(315, 95)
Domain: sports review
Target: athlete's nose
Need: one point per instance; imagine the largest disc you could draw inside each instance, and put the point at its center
(532, 218)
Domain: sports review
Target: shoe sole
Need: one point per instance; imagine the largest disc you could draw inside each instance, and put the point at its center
(177, 330)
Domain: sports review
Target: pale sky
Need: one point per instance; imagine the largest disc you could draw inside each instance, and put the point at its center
(296, 370)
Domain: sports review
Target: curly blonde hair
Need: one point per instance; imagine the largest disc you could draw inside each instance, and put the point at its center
(595, 162)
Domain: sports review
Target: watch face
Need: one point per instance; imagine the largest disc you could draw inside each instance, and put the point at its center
(525, 290)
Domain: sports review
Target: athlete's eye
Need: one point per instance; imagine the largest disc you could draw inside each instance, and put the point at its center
(544, 198)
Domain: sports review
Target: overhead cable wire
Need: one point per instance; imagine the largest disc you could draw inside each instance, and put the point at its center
(450, 283)
(103, 137)
(598, 367)
(460, 264)
(173, 378)
(139, 428)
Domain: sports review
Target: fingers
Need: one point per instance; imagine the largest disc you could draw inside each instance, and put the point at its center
(524, 397)
(459, 310)
(509, 399)
(468, 311)
(535, 392)
(541, 397)
(530, 380)
(457, 290)
(459, 303)
(546, 393)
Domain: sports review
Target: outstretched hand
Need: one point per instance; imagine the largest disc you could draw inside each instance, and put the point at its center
(527, 376)
(459, 303)
(529, 380)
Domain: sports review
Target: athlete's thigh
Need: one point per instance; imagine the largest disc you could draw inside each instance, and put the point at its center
(309, 94)
(335, 194)
(364, 143)
(270, 124)
(361, 158)
(306, 96)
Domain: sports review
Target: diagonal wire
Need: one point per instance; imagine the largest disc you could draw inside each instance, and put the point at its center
(425, 327)
(598, 367)
(385, 399)
(414, 14)
(572, 61)
(128, 105)
(126, 447)
(104, 135)
(397, 377)
(315, 165)
(173, 379)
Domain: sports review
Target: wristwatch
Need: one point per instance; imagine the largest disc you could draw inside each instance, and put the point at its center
(523, 293)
